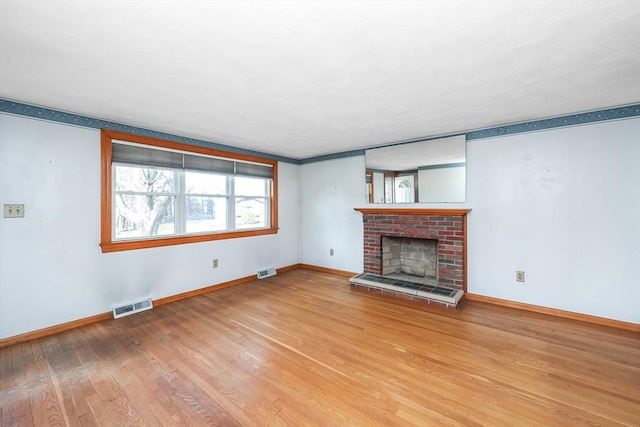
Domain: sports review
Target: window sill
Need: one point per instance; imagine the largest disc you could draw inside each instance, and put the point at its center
(131, 245)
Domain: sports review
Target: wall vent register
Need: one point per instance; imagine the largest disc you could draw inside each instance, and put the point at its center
(271, 271)
(131, 308)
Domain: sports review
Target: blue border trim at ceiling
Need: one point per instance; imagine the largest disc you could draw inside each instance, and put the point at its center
(18, 108)
(333, 156)
(21, 109)
(616, 113)
(442, 166)
(564, 121)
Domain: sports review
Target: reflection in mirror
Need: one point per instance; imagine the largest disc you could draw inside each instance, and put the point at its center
(417, 172)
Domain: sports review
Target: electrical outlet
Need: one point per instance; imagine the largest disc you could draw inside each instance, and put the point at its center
(519, 276)
(215, 263)
(14, 211)
(331, 252)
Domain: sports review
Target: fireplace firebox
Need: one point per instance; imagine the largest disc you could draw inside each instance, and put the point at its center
(417, 258)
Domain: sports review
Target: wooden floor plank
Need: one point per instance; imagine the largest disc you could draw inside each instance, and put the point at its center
(305, 348)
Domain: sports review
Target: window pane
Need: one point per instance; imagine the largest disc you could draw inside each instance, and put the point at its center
(144, 180)
(141, 215)
(250, 212)
(205, 183)
(206, 214)
(250, 186)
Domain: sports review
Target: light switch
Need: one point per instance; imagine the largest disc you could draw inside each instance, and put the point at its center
(14, 211)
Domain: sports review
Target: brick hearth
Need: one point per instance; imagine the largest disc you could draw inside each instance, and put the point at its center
(447, 226)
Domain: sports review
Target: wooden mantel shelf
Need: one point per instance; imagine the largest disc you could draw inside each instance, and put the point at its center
(410, 211)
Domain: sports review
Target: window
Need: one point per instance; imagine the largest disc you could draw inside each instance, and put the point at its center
(159, 193)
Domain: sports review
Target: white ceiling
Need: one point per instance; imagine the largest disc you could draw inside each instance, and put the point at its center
(301, 79)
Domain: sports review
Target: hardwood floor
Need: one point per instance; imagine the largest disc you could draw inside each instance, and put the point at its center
(304, 348)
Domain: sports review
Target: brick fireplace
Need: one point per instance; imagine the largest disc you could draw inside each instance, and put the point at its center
(447, 227)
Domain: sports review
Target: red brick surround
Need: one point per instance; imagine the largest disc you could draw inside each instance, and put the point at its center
(447, 226)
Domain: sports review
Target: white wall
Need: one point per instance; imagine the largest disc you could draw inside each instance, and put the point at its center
(51, 268)
(329, 192)
(563, 205)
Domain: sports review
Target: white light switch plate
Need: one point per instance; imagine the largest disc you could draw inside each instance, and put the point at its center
(14, 211)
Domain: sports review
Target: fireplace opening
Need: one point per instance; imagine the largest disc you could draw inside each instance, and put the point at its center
(410, 259)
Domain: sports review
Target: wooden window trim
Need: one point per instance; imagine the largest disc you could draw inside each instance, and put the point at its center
(106, 242)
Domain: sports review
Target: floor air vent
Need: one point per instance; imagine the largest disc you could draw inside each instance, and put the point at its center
(134, 307)
(266, 273)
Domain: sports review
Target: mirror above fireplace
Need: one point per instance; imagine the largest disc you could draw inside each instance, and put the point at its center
(417, 172)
